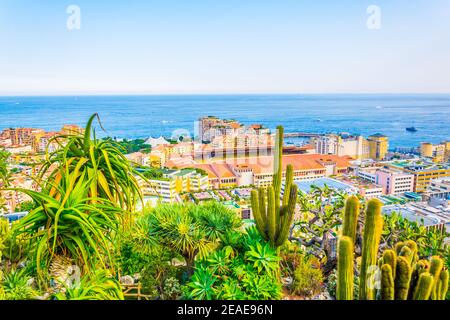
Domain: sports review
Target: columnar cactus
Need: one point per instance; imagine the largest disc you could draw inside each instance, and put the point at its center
(387, 283)
(351, 213)
(273, 215)
(371, 239)
(443, 285)
(402, 278)
(344, 290)
(390, 258)
(436, 266)
(424, 287)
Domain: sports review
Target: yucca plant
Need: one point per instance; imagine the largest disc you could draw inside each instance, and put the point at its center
(178, 229)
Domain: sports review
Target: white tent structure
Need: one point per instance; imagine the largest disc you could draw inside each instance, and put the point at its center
(156, 142)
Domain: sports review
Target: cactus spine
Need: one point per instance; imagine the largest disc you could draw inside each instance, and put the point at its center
(387, 283)
(351, 218)
(371, 239)
(344, 290)
(274, 219)
(424, 287)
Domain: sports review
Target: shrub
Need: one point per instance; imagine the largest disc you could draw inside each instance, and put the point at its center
(308, 279)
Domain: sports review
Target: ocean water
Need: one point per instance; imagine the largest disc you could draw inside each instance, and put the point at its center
(144, 116)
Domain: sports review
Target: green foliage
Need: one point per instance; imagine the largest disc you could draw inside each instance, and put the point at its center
(26, 206)
(110, 174)
(274, 220)
(263, 258)
(187, 230)
(14, 286)
(429, 241)
(97, 286)
(248, 271)
(71, 223)
(308, 279)
(130, 146)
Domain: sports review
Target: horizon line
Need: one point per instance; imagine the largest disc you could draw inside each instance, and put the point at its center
(214, 94)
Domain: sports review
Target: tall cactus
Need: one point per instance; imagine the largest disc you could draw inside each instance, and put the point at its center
(443, 285)
(387, 283)
(436, 266)
(402, 278)
(344, 290)
(351, 213)
(273, 215)
(390, 258)
(424, 287)
(371, 239)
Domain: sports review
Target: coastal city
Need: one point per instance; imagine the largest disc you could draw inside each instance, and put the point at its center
(227, 159)
(216, 159)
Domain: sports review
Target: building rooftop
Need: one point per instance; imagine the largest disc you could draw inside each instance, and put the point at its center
(305, 186)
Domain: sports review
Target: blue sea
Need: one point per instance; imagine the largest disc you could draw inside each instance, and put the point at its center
(144, 116)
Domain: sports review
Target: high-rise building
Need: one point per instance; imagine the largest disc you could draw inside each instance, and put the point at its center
(378, 146)
(72, 129)
(342, 145)
(436, 152)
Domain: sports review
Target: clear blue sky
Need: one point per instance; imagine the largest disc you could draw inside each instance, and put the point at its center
(224, 46)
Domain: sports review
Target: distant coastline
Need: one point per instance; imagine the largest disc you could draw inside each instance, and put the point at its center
(141, 116)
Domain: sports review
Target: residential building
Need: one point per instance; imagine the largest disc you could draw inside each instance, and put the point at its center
(439, 188)
(394, 181)
(72, 129)
(342, 145)
(172, 183)
(436, 152)
(424, 172)
(378, 146)
(209, 128)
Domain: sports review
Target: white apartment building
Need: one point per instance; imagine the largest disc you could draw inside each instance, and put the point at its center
(341, 145)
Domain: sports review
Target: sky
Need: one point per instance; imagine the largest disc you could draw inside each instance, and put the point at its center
(227, 46)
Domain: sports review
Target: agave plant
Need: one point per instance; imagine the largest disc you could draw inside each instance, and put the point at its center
(15, 286)
(110, 174)
(263, 258)
(202, 285)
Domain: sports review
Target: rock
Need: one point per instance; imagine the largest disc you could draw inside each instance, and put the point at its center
(127, 280)
(31, 282)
